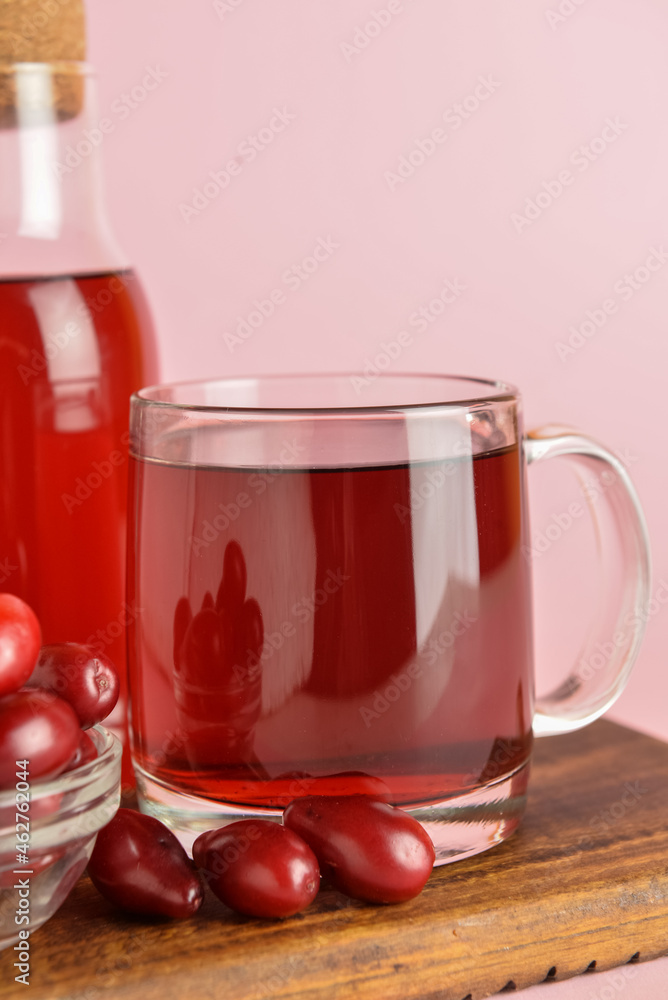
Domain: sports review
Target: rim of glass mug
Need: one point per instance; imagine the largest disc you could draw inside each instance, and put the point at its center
(495, 391)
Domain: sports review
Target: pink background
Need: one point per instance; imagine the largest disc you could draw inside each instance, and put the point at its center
(554, 82)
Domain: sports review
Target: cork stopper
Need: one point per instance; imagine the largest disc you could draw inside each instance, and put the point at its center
(42, 31)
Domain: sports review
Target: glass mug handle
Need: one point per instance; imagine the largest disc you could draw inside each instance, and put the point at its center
(609, 652)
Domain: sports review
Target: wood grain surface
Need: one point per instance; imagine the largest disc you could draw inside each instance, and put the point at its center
(584, 881)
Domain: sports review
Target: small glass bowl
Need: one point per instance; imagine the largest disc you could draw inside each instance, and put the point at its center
(62, 821)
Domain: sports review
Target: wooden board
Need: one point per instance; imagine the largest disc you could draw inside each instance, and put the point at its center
(584, 881)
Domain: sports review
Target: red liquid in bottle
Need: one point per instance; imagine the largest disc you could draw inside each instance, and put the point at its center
(72, 351)
(394, 644)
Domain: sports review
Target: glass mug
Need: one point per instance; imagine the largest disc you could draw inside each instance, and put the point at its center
(333, 596)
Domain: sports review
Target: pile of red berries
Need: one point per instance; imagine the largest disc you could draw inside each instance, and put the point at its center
(48, 695)
(360, 845)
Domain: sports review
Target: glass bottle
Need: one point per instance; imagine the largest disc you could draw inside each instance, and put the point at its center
(75, 341)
